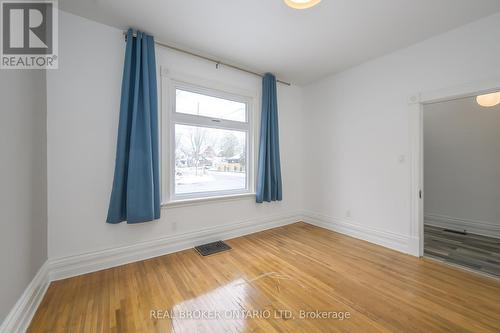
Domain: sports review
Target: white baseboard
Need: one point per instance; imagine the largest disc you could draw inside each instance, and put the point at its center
(66, 267)
(23, 311)
(401, 243)
(471, 226)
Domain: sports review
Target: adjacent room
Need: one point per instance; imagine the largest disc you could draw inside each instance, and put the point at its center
(250, 166)
(462, 182)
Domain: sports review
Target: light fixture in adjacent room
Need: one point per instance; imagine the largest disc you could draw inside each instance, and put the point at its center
(488, 100)
(302, 4)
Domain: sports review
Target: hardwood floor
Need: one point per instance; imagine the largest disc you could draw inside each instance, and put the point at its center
(293, 268)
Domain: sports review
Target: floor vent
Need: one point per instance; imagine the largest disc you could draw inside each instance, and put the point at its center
(456, 231)
(212, 248)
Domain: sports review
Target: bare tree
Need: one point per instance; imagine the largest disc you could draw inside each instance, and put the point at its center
(229, 145)
(197, 139)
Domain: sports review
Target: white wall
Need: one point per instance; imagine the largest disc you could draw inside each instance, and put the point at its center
(23, 193)
(83, 106)
(358, 131)
(462, 165)
(355, 126)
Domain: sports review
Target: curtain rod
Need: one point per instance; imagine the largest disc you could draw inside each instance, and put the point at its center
(217, 62)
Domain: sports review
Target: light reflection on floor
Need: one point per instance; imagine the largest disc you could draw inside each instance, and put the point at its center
(227, 308)
(228, 302)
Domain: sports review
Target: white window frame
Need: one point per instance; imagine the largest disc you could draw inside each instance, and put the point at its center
(170, 118)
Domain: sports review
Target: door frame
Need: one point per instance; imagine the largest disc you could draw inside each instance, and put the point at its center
(417, 103)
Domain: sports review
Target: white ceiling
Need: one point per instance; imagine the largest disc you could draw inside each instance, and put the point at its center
(296, 45)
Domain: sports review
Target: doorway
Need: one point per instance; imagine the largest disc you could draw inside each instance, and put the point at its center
(461, 177)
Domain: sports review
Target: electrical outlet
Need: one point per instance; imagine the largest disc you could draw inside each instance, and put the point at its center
(348, 213)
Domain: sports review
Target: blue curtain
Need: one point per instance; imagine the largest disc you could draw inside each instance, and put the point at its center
(269, 172)
(135, 196)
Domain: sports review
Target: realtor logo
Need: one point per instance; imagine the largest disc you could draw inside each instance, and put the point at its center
(29, 35)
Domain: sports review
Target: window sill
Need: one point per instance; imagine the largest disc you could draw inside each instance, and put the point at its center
(201, 201)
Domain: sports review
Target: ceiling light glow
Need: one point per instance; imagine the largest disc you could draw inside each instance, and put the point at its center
(488, 100)
(302, 4)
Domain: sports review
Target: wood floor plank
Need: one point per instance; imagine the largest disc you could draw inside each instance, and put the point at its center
(476, 252)
(279, 272)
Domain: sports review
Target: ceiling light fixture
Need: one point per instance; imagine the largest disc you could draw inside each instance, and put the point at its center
(302, 4)
(488, 100)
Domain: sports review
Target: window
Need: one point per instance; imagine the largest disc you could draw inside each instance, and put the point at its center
(210, 143)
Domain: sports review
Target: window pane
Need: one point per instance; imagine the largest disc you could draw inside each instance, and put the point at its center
(208, 106)
(208, 159)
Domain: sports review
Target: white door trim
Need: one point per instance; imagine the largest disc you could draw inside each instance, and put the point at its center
(416, 104)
